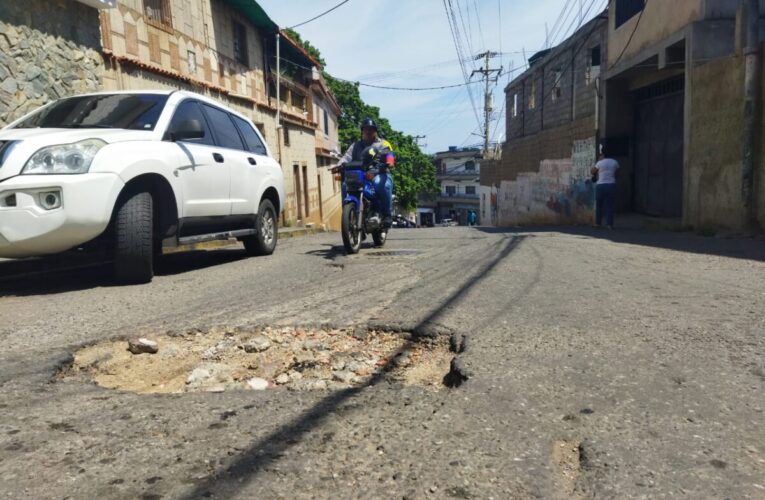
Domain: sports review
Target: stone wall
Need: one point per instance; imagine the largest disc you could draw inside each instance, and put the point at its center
(46, 56)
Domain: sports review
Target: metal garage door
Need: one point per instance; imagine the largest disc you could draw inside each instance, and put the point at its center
(659, 149)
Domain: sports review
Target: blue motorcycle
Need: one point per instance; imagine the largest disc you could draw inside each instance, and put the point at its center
(361, 213)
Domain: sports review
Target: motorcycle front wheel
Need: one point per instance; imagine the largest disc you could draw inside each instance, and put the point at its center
(379, 237)
(351, 229)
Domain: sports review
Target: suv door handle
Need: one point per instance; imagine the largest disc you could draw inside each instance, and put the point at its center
(218, 157)
(251, 160)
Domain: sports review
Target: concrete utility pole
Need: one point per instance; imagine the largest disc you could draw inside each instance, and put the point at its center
(487, 73)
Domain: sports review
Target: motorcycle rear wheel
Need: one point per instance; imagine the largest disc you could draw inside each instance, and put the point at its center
(351, 229)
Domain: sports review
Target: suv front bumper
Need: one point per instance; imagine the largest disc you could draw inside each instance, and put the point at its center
(29, 228)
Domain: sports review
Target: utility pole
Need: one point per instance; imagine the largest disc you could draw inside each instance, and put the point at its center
(417, 140)
(490, 75)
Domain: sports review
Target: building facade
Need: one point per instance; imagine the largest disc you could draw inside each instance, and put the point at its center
(672, 90)
(457, 173)
(552, 125)
(224, 49)
(675, 107)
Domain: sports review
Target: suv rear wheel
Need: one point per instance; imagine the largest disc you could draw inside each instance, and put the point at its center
(263, 242)
(133, 239)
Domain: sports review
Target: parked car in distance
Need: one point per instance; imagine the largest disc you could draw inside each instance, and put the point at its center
(449, 222)
(133, 172)
(402, 222)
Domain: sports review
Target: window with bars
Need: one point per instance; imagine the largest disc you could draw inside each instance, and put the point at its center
(240, 43)
(158, 13)
(626, 10)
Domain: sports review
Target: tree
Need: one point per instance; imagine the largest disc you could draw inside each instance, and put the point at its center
(312, 51)
(414, 172)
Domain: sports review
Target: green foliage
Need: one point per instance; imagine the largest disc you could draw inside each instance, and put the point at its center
(312, 51)
(414, 172)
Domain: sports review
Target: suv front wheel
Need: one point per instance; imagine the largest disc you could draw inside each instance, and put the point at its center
(133, 239)
(263, 242)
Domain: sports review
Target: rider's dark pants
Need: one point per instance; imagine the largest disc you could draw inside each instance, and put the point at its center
(384, 188)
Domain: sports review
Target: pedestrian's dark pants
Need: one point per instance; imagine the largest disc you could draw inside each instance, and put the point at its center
(605, 194)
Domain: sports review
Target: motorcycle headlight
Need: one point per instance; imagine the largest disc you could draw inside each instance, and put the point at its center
(72, 158)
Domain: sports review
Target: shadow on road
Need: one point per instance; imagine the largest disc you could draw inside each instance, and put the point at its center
(228, 482)
(70, 273)
(329, 252)
(738, 248)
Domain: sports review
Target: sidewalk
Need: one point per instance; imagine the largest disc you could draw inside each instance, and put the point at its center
(284, 232)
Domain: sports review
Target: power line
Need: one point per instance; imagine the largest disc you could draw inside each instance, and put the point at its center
(441, 87)
(478, 21)
(631, 35)
(320, 15)
(452, 20)
(560, 20)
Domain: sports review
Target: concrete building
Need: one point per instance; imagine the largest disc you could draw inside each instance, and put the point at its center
(662, 86)
(457, 173)
(675, 110)
(225, 49)
(552, 124)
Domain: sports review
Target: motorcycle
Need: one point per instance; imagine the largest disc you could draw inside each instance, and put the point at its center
(361, 213)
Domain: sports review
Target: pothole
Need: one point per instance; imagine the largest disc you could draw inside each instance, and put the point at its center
(266, 358)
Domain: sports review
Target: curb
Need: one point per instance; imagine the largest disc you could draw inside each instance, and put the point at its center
(284, 233)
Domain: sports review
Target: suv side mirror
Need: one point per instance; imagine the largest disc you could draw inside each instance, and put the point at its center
(187, 129)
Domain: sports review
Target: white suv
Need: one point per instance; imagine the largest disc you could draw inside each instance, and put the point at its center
(133, 172)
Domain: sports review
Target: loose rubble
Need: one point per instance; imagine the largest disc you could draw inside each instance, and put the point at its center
(142, 346)
(297, 359)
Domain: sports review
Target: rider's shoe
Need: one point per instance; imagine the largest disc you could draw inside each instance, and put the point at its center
(387, 222)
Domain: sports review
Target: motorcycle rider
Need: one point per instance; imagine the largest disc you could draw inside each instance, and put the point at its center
(383, 182)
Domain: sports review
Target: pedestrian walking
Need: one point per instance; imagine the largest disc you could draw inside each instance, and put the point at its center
(605, 188)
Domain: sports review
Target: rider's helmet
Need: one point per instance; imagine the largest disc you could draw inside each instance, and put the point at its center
(368, 123)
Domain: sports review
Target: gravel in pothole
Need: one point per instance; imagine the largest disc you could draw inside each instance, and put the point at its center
(268, 358)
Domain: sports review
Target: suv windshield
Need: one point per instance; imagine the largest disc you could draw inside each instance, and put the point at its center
(124, 111)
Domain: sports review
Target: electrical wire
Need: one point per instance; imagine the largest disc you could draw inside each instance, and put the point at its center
(630, 38)
(441, 87)
(452, 20)
(320, 15)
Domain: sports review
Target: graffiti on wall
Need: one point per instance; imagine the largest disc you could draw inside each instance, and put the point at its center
(559, 193)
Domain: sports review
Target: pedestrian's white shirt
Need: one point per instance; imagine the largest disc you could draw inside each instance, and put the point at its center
(607, 171)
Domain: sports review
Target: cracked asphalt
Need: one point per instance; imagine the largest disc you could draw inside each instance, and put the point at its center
(642, 353)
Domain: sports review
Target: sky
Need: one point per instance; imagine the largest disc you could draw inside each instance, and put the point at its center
(409, 43)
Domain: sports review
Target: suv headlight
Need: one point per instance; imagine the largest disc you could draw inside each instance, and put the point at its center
(72, 158)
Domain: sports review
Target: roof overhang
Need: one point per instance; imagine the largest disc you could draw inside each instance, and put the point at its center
(257, 16)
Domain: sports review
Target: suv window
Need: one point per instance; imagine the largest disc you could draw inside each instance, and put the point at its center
(125, 111)
(189, 110)
(254, 144)
(226, 135)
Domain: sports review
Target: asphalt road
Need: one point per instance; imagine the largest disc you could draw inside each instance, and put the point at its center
(620, 364)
